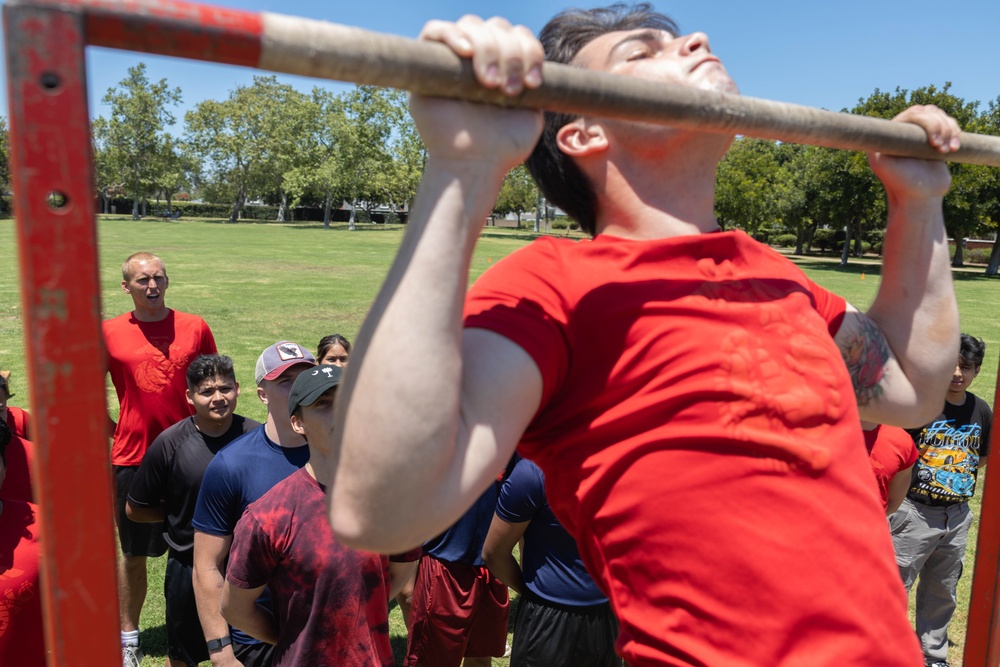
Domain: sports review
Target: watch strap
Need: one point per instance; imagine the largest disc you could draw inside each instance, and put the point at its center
(216, 644)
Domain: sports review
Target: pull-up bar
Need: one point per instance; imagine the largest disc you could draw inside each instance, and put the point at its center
(306, 47)
(57, 239)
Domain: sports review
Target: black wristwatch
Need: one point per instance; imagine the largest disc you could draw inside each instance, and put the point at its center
(216, 644)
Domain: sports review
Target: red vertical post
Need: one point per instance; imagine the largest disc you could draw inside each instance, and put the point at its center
(51, 169)
(982, 636)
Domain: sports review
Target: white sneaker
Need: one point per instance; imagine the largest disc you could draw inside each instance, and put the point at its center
(131, 656)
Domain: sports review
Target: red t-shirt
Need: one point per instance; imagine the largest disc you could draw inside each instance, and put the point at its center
(700, 438)
(22, 640)
(890, 449)
(20, 461)
(148, 362)
(331, 602)
(19, 421)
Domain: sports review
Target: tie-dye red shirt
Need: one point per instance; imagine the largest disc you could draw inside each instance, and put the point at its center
(331, 602)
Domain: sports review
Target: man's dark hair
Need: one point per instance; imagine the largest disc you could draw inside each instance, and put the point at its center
(972, 350)
(558, 177)
(6, 435)
(209, 366)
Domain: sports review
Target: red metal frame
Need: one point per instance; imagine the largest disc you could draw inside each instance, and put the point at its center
(982, 636)
(51, 153)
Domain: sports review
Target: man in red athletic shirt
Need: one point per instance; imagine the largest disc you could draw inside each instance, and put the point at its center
(149, 350)
(21, 639)
(17, 419)
(693, 399)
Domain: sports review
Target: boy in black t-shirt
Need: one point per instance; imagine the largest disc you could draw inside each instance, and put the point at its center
(166, 488)
(931, 527)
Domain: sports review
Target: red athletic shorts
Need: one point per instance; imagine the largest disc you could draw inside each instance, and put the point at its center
(458, 610)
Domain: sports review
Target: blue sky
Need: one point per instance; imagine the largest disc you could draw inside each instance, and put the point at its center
(821, 54)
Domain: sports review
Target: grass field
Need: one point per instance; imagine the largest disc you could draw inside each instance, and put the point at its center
(259, 283)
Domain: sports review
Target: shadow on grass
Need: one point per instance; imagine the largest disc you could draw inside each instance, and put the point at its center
(153, 641)
(869, 267)
(300, 224)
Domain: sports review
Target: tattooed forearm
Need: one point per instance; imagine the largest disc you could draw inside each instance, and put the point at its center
(866, 353)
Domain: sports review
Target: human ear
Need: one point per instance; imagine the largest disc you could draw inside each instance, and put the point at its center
(581, 138)
(297, 425)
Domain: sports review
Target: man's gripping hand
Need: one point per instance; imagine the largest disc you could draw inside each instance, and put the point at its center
(915, 179)
(504, 57)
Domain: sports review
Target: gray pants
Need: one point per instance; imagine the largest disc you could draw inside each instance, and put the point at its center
(930, 542)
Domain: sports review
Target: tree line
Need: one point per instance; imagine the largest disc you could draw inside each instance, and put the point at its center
(770, 188)
(271, 143)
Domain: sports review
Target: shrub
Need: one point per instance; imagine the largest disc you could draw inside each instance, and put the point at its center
(785, 240)
(824, 239)
(976, 256)
(564, 223)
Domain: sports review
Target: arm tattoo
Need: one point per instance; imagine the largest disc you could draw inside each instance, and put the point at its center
(866, 353)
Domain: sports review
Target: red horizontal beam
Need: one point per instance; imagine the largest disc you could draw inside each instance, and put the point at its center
(168, 28)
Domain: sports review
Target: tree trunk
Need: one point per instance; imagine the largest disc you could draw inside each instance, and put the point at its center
(241, 197)
(350, 220)
(846, 253)
(859, 245)
(135, 205)
(169, 197)
(810, 235)
(994, 264)
(958, 260)
(799, 239)
(538, 213)
(326, 209)
(282, 206)
(144, 206)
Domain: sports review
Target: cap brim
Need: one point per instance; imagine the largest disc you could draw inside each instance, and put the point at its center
(276, 373)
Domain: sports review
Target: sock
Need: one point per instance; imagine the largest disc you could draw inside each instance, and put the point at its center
(130, 638)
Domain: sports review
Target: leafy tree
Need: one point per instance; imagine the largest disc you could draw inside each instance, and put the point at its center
(176, 170)
(518, 193)
(108, 178)
(408, 158)
(973, 187)
(989, 123)
(135, 133)
(373, 115)
(247, 139)
(317, 169)
(5, 183)
(755, 186)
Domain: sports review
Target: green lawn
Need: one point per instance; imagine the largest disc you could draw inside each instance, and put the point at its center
(259, 283)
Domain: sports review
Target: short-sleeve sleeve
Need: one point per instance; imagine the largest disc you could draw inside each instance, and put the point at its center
(207, 340)
(987, 421)
(831, 307)
(519, 299)
(150, 484)
(252, 559)
(522, 496)
(217, 507)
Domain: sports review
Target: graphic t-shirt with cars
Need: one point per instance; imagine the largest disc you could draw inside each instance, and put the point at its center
(950, 449)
